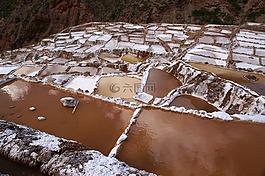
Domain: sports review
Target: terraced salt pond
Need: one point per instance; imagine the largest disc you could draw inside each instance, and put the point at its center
(107, 70)
(236, 76)
(89, 124)
(160, 83)
(91, 70)
(118, 86)
(109, 57)
(177, 144)
(131, 58)
(28, 70)
(190, 102)
(53, 69)
(94, 61)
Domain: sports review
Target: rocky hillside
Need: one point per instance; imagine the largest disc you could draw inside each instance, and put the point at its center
(26, 21)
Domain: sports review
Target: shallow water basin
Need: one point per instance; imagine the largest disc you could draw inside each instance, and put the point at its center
(131, 58)
(236, 76)
(28, 70)
(118, 86)
(190, 102)
(107, 70)
(160, 83)
(170, 143)
(59, 79)
(96, 123)
(109, 57)
(90, 70)
(53, 69)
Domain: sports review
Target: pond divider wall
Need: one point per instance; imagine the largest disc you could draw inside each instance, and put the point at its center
(223, 94)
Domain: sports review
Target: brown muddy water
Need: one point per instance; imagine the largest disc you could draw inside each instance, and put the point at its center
(131, 58)
(236, 76)
(96, 123)
(190, 102)
(176, 144)
(118, 86)
(10, 167)
(160, 83)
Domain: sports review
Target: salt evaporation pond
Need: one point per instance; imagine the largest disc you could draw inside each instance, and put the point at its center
(10, 167)
(190, 102)
(91, 70)
(107, 70)
(118, 86)
(170, 143)
(160, 83)
(28, 70)
(53, 69)
(89, 125)
(236, 76)
(109, 57)
(131, 58)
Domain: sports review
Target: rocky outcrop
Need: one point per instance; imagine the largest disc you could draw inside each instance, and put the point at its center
(56, 156)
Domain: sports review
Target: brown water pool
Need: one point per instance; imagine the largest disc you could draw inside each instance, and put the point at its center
(96, 124)
(118, 86)
(10, 167)
(160, 83)
(170, 143)
(131, 58)
(236, 76)
(190, 102)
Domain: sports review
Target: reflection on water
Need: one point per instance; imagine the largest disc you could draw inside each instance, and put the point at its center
(17, 91)
(16, 169)
(162, 82)
(177, 144)
(190, 102)
(96, 124)
(236, 76)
